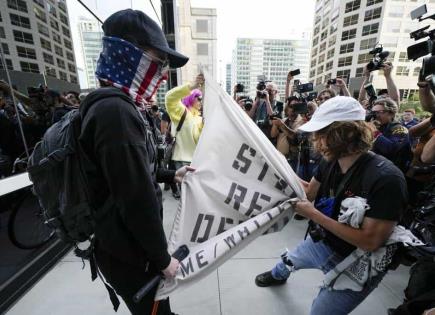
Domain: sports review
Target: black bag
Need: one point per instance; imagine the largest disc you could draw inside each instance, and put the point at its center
(59, 181)
(170, 140)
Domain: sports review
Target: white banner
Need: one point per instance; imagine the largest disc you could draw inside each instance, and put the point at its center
(238, 191)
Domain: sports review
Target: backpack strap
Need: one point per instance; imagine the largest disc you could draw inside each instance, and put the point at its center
(180, 124)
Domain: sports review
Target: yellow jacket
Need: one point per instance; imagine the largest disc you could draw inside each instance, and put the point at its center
(188, 136)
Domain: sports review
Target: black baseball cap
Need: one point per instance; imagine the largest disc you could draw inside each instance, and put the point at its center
(139, 29)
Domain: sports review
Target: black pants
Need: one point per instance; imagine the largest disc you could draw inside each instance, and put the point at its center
(127, 279)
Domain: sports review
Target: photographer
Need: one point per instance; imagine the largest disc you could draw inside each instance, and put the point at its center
(344, 139)
(265, 106)
(245, 103)
(391, 138)
(340, 84)
(427, 127)
(284, 131)
(325, 95)
(392, 90)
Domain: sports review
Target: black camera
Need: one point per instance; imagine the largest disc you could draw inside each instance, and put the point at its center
(371, 92)
(423, 48)
(304, 88)
(240, 88)
(379, 57)
(261, 86)
(311, 96)
(332, 81)
(247, 102)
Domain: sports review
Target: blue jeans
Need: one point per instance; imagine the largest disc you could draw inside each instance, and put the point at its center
(311, 255)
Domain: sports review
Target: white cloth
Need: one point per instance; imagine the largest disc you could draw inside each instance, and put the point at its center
(232, 196)
(354, 271)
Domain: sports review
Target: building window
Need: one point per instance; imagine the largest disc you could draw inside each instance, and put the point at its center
(319, 81)
(372, 2)
(322, 46)
(373, 14)
(60, 63)
(402, 71)
(73, 79)
(45, 44)
(43, 30)
(40, 3)
(327, 77)
(333, 28)
(5, 48)
(370, 29)
(40, 14)
(359, 72)
(202, 49)
(416, 71)
(403, 56)
(29, 67)
(65, 31)
(62, 6)
(312, 73)
(67, 44)
(23, 37)
(350, 20)
(69, 56)
(364, 58)
(348, 34)
(320, 70)
(314, 51)
(313, 63)
(50, 72)
(345, 61)
(347, 48)
(324, 35)
(321, 58)
(57, 38)
(367, 43)
(71, 68)
(317, 29)
(325, 23)
(48, 58)
(63, 19)
(8, 64)
(26, 52)
(396, 11)
(391, 41)
(19, 20)
(332, 40)
(52, 9)
(329, 65)
(330, 53)
(315, 41)
(18, 5)
(201, 26)
(58, 50)
(63, 76)
(2, 32)
(54, 24)
(343, 74)
(352, 6)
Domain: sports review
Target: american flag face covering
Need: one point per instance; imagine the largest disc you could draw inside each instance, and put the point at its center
(126, 67)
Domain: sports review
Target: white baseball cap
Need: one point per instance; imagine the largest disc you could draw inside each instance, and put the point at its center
(339, 108)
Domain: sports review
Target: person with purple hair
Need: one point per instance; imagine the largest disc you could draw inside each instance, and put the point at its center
(185, 100)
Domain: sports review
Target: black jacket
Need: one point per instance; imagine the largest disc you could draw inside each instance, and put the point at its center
(120, 163)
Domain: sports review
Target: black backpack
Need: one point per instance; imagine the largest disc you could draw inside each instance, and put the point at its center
(59, 181)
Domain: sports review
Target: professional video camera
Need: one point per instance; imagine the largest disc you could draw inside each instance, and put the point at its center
(379, 57)
(305, 95)
(423, 48)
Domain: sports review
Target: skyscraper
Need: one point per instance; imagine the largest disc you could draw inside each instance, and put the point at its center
(36, 38)
(345, 32)
(228, 80)
(270, 59)
(91, 45)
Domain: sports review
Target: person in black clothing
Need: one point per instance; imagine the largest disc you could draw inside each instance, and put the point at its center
(348, 170)
(119, 146)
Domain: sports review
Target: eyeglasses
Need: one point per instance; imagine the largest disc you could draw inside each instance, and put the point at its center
(199, 98)
(322, 99)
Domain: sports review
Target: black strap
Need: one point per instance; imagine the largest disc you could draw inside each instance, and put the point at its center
(183, 117)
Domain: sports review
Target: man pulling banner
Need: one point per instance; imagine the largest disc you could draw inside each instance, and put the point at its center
(240, 190)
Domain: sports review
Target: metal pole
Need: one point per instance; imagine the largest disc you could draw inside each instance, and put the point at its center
(17, 112)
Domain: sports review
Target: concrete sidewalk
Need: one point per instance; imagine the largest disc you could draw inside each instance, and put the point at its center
(68, 290)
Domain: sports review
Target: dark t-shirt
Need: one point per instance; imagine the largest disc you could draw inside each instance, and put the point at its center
(374, 178)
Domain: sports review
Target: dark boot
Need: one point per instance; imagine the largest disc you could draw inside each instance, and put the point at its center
(266, 280)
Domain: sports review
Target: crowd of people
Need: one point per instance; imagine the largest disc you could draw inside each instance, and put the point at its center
(340, 148)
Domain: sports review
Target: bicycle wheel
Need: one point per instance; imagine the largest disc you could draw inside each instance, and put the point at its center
(26, 226)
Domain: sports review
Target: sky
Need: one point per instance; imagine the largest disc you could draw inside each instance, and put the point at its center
(278, 19)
